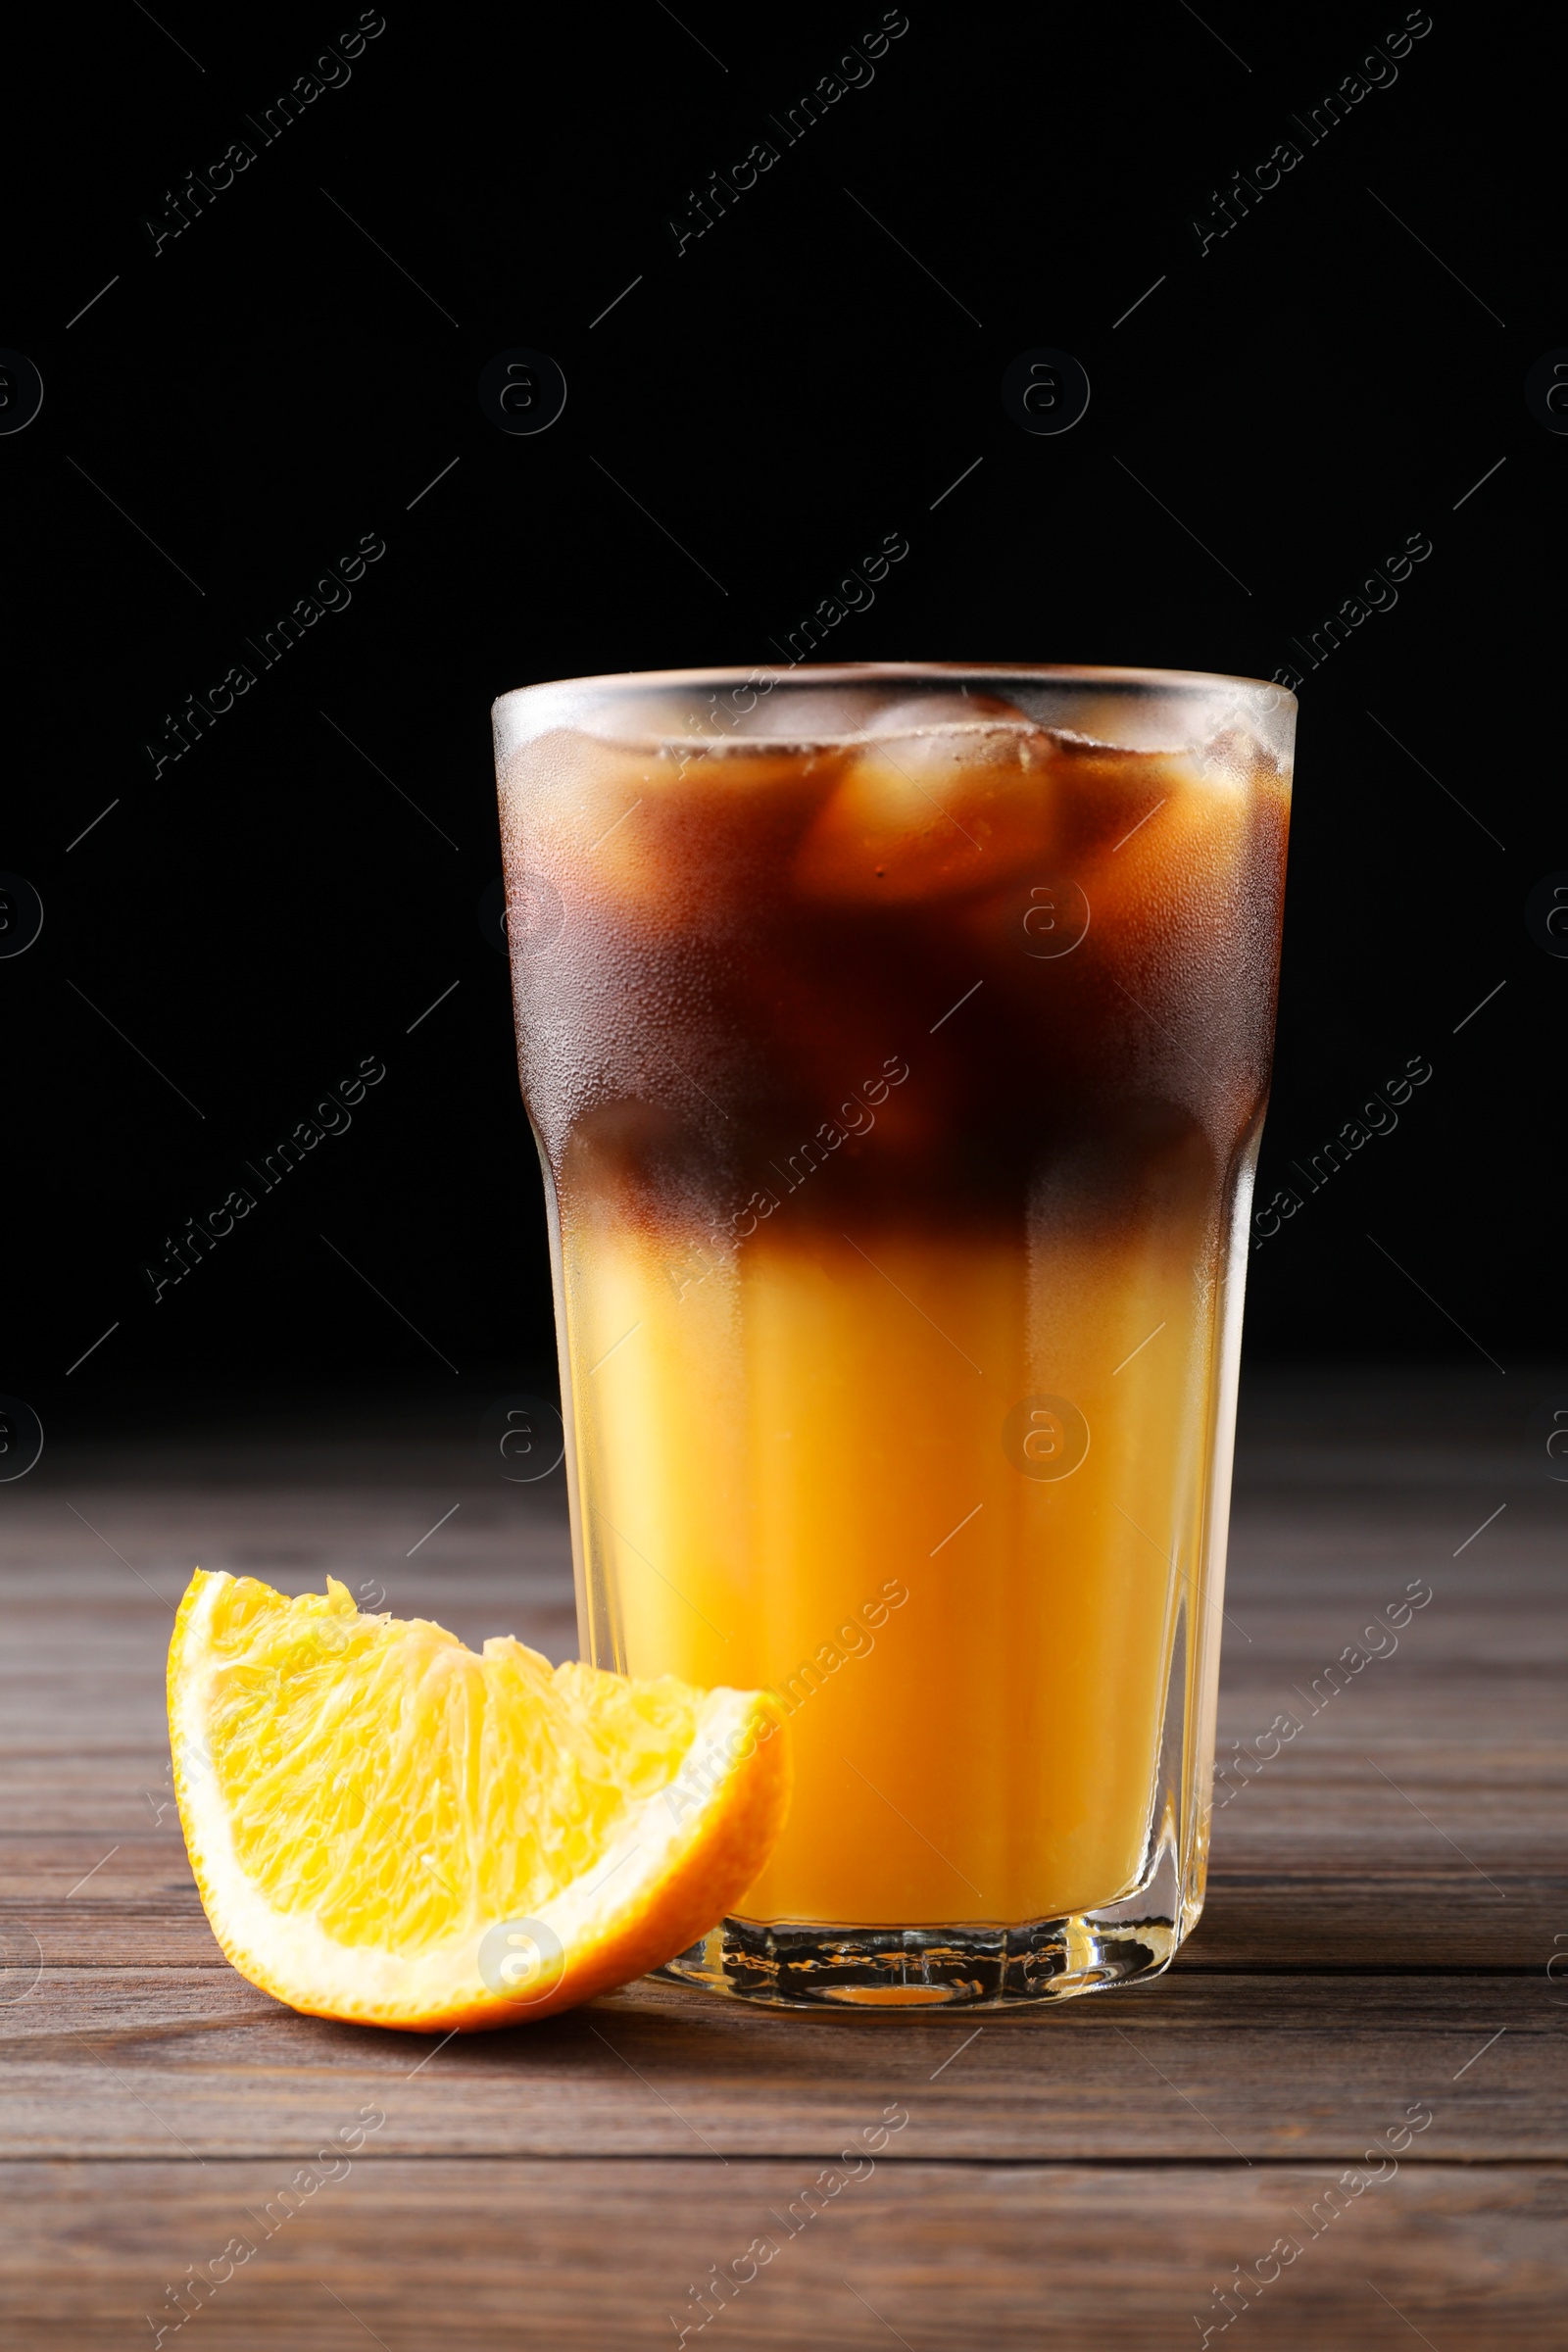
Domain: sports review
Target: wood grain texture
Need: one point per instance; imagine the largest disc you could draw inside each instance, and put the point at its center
(1197, 2067)
(1387, 1897)
(599, 2258)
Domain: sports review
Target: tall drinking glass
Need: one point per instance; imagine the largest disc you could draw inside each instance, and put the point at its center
(896, 1041)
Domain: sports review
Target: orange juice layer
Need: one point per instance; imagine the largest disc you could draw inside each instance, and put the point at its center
(812, 1467)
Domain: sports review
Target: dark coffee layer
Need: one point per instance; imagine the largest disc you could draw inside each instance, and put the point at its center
(923, 974)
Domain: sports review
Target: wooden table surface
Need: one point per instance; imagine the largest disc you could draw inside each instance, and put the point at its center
(1384, 1902)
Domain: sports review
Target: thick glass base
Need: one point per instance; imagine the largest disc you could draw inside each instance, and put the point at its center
(790, 1964)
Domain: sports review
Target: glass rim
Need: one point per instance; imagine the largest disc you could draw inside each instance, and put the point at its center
(870, 673)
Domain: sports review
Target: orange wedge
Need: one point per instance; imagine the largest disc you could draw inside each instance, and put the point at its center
(386, 1827)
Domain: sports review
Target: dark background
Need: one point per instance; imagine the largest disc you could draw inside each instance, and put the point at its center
(230, 415)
